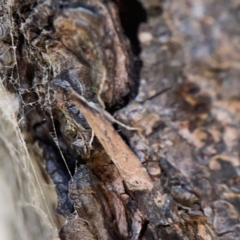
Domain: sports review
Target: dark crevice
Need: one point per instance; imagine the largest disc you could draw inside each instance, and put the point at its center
(60, 176)
(132, 14)
(55, 161)
(143, 230)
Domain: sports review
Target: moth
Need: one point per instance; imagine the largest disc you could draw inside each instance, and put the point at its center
(129, 166)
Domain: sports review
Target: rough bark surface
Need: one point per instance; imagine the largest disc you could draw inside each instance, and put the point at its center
(135, 106)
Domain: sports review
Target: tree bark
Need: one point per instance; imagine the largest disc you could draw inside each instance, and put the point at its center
(135, 106)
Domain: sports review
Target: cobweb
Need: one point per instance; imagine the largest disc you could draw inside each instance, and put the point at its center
(27, 201)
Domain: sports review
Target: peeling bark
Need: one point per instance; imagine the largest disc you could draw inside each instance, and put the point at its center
(135, 106)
